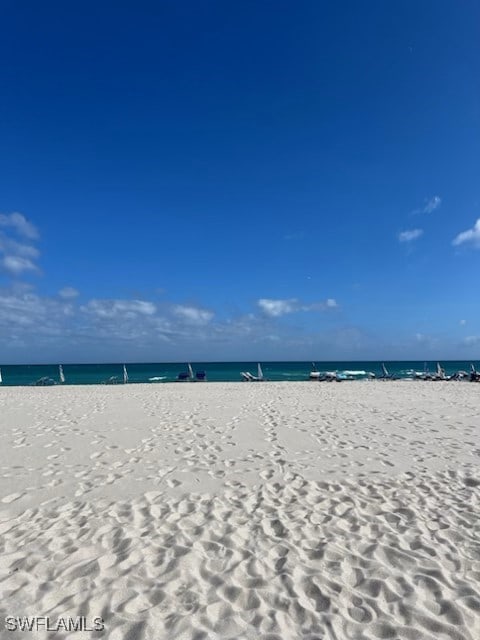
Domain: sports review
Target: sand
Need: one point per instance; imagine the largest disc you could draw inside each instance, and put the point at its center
(222, 511)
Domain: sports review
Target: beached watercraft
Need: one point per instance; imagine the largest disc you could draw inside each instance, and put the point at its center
(427, 376)
(44, 382)
(249, 377)
(190, 376)
(440, 373)
(386, 375)
(460, 375)
(186, 375)
(315, 374)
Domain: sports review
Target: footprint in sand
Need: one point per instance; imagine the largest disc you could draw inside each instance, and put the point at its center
(12, 497)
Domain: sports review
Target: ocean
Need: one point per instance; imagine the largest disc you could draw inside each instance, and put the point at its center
(163, 372)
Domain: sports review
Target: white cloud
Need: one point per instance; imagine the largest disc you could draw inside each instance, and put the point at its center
(40, 328)
(324, 305)
(17, 258)
(432, 204)
(470, 236)
(16, 265)
(119, 308)
(25, 312)
(193, 315)
(463, 322)
(48, 325)
(12, 247)
(410, 235)
(67, 293)
(20, 224)
(276, 308)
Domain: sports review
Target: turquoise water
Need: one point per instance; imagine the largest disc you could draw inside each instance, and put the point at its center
(157, 373)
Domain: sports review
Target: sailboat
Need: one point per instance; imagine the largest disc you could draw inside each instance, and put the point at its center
(1, 377)
(386, 375)
(190, 376)
(186, 375)
(314, 373)
(426, 375)
(125, 375)
(249, 377)
(61, 374)
(474, 374)
(440, 374)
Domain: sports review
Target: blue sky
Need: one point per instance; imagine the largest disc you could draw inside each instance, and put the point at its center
(239, 180)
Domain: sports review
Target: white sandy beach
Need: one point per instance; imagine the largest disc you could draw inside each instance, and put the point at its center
(275, 511)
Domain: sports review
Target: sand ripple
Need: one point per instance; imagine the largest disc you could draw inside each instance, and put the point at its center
(394, 559)
(283, 511)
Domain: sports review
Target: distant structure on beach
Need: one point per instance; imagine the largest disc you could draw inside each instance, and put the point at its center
(189, 376)
(44, 382)
(249, 377)
(474, 375)
(42, 375)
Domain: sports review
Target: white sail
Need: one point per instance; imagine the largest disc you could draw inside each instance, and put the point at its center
(190, 371)
(314, 373)
(1, 377)
(259, 372)
(384, 370)
(61, 374)
(125, 375)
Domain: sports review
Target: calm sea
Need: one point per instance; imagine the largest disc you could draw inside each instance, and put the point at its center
(157, 373)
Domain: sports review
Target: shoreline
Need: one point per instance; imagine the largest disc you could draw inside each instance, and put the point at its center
(154, 383)
(149, 373)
